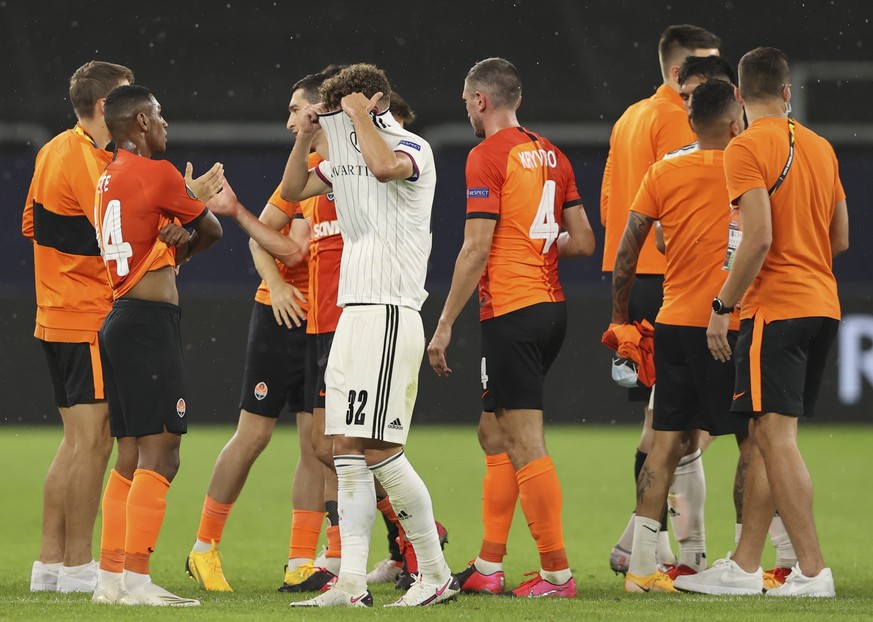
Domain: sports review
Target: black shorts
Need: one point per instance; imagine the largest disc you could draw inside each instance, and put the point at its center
(141, 347)
(275, 371)
(76, 372)
(693, 390)
(517, 350)
(317, 353)
(646, 298)
(780, 364)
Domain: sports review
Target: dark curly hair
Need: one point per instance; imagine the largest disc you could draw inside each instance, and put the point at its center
(360, 78)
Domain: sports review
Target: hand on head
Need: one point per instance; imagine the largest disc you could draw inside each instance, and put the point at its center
(357, 104)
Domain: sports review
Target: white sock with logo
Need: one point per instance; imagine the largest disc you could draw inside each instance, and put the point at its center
(687, 497)
(643, 562)
(356, 504)
(411, 501)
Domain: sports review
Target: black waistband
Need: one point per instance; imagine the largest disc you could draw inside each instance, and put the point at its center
(138, 303)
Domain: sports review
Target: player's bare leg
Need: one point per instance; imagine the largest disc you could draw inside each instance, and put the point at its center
(653, 485)
(54, 490)
(791, 486)
(232, 467)
(91, 452)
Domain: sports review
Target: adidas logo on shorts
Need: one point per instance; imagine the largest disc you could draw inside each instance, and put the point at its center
(402, 515)
(395, 425)
(261, 390)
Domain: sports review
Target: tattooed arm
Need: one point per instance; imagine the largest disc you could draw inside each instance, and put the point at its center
(638, 227)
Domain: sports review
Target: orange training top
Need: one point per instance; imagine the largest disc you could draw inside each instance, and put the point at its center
(688, 196)
(796, 279)
(72, 293)
(325, 252)
(136, 197)
(297, 275)
(644, 134)
(524, 182)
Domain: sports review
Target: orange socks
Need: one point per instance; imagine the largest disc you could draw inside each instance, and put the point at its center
(305, 529)
(334, 548)
(212, 520)
(146, 505)
(499, 496)
(114, 514)
(541, 500)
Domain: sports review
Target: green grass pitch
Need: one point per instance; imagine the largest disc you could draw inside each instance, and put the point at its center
(594, 465)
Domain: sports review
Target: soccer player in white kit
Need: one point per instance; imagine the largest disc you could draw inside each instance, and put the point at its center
(383, 179)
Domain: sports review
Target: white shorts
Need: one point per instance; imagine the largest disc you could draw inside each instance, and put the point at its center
(371, 380)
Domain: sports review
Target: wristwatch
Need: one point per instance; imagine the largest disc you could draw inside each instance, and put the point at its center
(719, 308)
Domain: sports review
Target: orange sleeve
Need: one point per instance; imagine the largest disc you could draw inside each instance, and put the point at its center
(27, 216)
(839, 192)
(604, 189)
(571, 193)
(173, 197)
(742, 170)
(484, 184)
(289, 207)
(647, 202)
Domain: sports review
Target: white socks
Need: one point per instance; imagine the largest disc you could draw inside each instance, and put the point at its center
(643, 562)
(627, 536)
(411, 501)
(785, 555)
(486, 567)
(686, 499)
(200, 546)
(356, 503)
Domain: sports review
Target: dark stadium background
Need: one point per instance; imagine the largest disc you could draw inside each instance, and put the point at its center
(222, 71)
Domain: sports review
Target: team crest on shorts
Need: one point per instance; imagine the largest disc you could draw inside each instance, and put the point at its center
(181, 407)
(261, 390)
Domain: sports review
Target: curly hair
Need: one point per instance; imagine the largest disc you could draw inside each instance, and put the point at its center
(360, 78)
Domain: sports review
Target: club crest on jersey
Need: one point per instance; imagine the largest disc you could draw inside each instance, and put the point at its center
(329, 196)
(477, 193)
(261, 390)
(353, 138)
(181, 407)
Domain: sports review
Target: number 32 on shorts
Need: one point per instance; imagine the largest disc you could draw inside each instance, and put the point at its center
(357, 401)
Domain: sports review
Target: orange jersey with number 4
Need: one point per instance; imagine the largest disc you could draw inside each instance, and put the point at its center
(524, 182)
(136, 197)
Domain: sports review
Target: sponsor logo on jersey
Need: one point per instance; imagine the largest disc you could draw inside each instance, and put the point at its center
(353, 138)
(325, 229)
(181, 407)
(410, 144)
(477, 193)
(261, 390)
